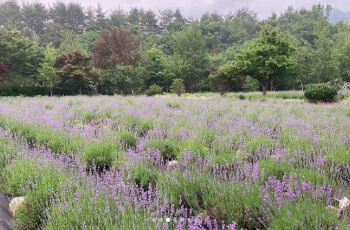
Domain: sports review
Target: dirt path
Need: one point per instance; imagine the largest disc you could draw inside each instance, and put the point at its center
(5, 215)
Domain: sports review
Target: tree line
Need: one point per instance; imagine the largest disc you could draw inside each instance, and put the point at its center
(69, 49)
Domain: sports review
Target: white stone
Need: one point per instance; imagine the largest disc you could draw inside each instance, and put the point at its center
(344, 204)
(173, 163)
(15, 204)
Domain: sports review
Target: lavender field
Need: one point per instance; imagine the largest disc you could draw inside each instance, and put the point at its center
(175, 163)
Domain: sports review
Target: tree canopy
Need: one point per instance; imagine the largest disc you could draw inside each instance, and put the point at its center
(139, 48)
(265, 58)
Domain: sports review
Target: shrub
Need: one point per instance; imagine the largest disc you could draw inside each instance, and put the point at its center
(177, 86)
(128, 139)
(215, 199)
(167, 148)
(101, 154)
(173, 105)
(36, 179)
(320, 92)
(154, 90)
(144, 174)
(306, 215)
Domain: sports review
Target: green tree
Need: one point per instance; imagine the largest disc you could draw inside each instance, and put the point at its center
(70, 42)
(53, 33)
(220, 78)
(149, 22)
(118, 18)
(241, 26)
(75, 70)
(124, 80)
(10, 14)
(266, 57)
(97, 19)
(58, 13)
(35, 17)
(47, 71)
(323, 69)
(172, 20)
(190, 47)
(178, 86)
(173, 67)
(88, 40)
(162, 68)
(20, 53)
(76, 17)
(212, 26)
(134, 16)
(341, 52)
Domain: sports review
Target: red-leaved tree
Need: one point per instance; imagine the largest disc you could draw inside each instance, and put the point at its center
(4, 69)
(117, 47)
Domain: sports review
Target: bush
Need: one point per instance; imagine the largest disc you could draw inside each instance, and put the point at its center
(100, 155)
(167, 148)
(177, 86)
(173, 105)
(154, 90)
(14, 90)
(320, 92)
(128, 139)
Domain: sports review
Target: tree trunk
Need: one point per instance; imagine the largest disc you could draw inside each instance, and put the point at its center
(51, 91)
(271, 83)
(221, 93)
(264, 88)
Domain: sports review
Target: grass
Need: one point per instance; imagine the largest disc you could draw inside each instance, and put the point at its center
(102, 162)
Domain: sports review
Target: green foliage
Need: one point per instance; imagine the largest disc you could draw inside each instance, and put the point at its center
(306, 215)
(35, 16)
(218, 200)
(18, 90)
(8, 151)
(320, 92)
(47, 71)
(154, 90)
(178, 86)
(70, 42)
(128, 139)
(257, 142)
(251, 84)
(75, 70)
(36, 181)
(189, 45)
(123, 80)
(220, 80)
(100, 155)
(166, 46)
(167, 148)
(144, 174)
(88, 40)
(266, 57)
(10, 14)
(20, 53)
(173, 105)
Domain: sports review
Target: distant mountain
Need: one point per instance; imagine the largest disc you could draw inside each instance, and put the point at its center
(337, 15)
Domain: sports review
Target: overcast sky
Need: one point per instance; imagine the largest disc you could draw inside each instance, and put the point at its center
(196, 8)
